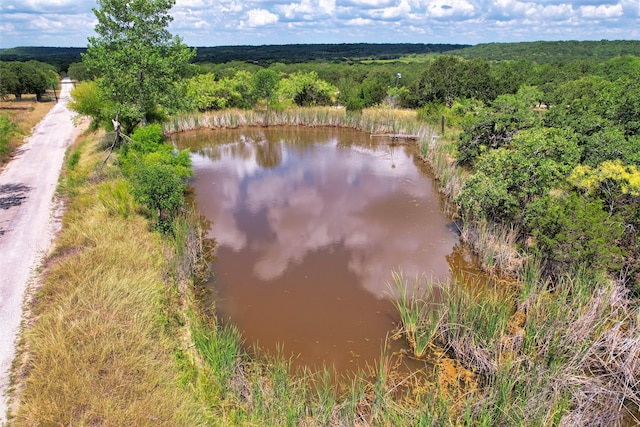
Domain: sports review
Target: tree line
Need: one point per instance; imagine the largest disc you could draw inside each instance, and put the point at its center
(31, 77)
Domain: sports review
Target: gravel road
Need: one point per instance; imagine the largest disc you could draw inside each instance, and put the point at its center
(27, 225)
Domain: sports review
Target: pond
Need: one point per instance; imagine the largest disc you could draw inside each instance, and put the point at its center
(310, 223)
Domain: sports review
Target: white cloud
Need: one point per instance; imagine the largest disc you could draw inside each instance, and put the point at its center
(402, 9)
(46, 6)
(359, 22)
(260, 18)
(602, 11)
(370, 3)
(557, 12)
(450, 8)
(307, 9)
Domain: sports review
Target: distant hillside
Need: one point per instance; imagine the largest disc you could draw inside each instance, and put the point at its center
(297, 53)
(61, 57)
(546, 52)
(542, 52)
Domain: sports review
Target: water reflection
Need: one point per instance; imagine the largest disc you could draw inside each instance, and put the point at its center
(310, 223)
(295, 198)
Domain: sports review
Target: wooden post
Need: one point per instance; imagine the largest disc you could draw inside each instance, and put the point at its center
(53, 86)
(442, 125)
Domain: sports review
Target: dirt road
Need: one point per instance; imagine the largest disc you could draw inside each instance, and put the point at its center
(27, 188)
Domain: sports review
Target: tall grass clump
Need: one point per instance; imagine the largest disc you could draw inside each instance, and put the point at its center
(420, 315)
(7, 129)
(496, 246)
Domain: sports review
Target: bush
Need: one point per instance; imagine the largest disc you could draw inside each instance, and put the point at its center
(7, 129)
(147, 139)
(572, 230)
(158, 176)
(161, 189)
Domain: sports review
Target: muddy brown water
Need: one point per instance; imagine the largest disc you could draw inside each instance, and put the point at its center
(310, 223)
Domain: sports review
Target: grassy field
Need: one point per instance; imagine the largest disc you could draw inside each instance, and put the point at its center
(17, 118)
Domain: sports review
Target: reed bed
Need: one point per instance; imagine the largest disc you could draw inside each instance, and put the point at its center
(564, 353)
(496, 246)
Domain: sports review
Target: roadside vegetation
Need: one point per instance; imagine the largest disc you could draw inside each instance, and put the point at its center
(17, 119)
(538, 160)
(19, 115)
(99, 346)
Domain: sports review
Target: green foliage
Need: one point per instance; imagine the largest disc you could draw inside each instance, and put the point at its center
(552, 52)
(496, 125)
(375, 86)
(604, 114)
(158, 176)
(148, 139)
(306, 89)
(7, 129)
(73, 160)
(570, 230)
(508, 179)
(88, 101)
(136, 56)
(265, 84)
(78, 71)
(450, 77)
(32, 77)
(159, 188)
(205, 92)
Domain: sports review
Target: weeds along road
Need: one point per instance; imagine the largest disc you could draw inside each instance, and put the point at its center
(27, 225)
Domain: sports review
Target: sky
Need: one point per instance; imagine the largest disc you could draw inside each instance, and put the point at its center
(68, 23)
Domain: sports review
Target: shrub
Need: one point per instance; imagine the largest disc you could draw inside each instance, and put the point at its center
(161, 189)
(7, 129)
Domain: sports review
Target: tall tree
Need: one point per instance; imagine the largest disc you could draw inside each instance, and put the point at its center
(136, 57)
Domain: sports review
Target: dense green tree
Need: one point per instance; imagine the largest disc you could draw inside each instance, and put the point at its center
(440, 82)
(568, 230)
(627, 111)
(88, 101)
(375, 86)
(605, 115)
(509, 76)
(496, 125)
(450, 77)
(306, 89)
(265, 85)
(158, 175)
(78, 71)
(507, 180)
(205, 92)
(31, 77)
(136, 56)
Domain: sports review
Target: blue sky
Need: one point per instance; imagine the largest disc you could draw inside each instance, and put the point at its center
(257, 22)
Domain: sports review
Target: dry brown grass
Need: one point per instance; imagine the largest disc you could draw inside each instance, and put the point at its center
(99, 346)
(26, 113)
